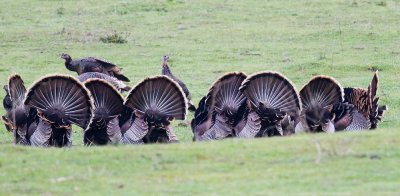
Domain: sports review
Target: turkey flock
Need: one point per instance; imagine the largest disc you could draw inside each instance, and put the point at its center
(263, 104)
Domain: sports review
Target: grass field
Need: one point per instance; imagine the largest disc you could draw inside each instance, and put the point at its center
(346, 39)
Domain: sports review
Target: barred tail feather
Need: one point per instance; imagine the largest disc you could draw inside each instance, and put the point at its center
(219, 130)
(136, 132)
(251, 126)
(41, 136)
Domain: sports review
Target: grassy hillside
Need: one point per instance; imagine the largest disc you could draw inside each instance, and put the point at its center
(344, 39)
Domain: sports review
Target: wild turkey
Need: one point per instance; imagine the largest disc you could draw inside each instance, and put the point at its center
(7, 104)
(273, 101)
(153, 104)
(221, 109)
(167, 72)
(366, 102)
(93, 64)
(119, 85)
(324, 109)
(109, 105)
(59, 102)
(16, 116)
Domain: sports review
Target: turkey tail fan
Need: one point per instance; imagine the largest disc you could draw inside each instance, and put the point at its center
(158, 97)
(108, 102)
(16, 89)
(319, 96)
(61, 100)
(323, 90)
(273, 90)
(224, 94)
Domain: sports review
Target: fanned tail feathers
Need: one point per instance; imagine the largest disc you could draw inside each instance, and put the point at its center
(224, 94)
(158, 97)
(61, 100)
(273, 90)
(108, 102)
(219, 111)
(16, 89)
(273, 97)
(323, 90)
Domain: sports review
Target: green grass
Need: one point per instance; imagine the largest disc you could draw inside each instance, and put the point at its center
(205, 39)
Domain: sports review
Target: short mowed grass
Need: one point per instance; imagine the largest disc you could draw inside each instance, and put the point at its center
(348, 40)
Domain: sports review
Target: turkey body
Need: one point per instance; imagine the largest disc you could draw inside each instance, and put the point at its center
(119, 85)
(273, 102)
(54, 102)
(108, 102)
(221, 109)
(94, 64)
(152, 104)
(326, 110)
(366, 102)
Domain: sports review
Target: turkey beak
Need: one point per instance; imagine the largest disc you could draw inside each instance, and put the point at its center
(329, 128)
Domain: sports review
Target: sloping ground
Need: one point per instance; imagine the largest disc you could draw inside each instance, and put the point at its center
(357, 162)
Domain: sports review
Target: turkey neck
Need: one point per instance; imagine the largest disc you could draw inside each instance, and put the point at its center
(69, 66)
(165, 69)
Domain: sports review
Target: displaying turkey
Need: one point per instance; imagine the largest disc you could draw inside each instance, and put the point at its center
(108, 103)
(167, 72)
(16, 116)
(59, 101)
(273, 101)
(324, 109)
(221, 109)
(93, 64)
(366, 102)
(153, 103)
(119, 85)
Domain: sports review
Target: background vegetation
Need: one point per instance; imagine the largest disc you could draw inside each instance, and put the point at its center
(345, 39)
